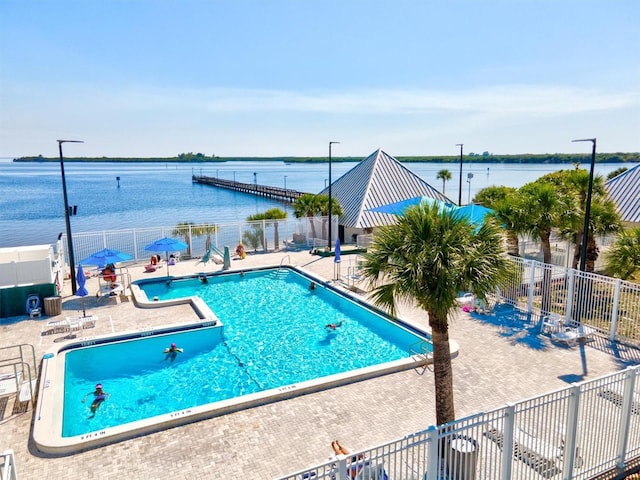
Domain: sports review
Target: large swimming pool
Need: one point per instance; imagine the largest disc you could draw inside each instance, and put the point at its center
(268, 340)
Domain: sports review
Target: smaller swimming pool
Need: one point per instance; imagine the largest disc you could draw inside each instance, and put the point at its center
(266, 340)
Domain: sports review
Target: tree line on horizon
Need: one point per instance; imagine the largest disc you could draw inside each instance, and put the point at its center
(485, 157)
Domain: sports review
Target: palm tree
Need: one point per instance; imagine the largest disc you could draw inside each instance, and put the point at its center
(429, 256)
(336, 209)
(572, 186)
(506, 207)
(271, 214)
(623, 258)
(183, 229)
(275, 214)
(307, 206)
(445, 176)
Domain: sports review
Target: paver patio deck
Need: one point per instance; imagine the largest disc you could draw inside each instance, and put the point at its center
(498, 362)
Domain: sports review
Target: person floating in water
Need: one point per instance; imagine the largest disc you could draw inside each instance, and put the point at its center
(99, 396)
(172, 352)
(312, 286)
(333, 326)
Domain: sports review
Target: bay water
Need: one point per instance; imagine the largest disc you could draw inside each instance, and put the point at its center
(162, 194)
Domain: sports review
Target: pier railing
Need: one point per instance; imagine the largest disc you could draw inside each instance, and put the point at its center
(286, 195)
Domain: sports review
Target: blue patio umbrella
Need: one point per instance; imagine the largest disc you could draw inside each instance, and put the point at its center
(105, 256)
(476, 214)
(336, 260)
(398, 208)
(82, 290)
(166, 245)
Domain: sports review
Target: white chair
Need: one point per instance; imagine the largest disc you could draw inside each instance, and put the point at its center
(551, 324)
(571, 336)
(56, 326)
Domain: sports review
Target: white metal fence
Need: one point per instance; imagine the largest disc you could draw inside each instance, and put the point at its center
(7, 465)
(258, 236)
(609, 305)
(577, 432)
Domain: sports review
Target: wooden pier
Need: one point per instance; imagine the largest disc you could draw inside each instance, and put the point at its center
(287, 195)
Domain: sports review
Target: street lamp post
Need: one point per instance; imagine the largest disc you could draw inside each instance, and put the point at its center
(285, 183)
(330, 219)
(255, 178)
(72, 265)
(469, 177)
(460, 190)
(587, 208)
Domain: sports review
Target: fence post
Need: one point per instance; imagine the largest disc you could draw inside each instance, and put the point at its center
(507, 440)
(614, 311)
(532, 281)
(570, 431)
(433, 439)
(625, 417)
(570, 292)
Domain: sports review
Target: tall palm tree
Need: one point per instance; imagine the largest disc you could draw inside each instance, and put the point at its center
(429, 256)
(623, 258)
(445, 176)
(336, 209)
(183, 229)
(572, 186)
(307, 206)
(271, 214)
(509, 212)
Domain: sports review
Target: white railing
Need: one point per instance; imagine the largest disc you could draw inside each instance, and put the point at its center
(8, 465)
(609, 305)
(578, 432)
(258, 236)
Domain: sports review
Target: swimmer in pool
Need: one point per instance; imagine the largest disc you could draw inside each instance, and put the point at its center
(172, 352)
(99, 396)
(333, 326)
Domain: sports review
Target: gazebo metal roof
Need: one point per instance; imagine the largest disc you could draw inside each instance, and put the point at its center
(377, 180)
(624, 190)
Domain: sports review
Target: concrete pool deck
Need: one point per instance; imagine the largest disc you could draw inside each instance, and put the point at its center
(499, 361)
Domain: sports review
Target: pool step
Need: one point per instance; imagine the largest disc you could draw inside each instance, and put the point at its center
(279, 273)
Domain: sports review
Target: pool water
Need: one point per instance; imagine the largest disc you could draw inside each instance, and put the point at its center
(273, 335)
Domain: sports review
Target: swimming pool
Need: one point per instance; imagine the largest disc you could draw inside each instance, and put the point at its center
(262, 323)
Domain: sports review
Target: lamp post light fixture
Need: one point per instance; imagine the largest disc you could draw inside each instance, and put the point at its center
(460, 190)
(72, 265)
(330, 219)
(587, 208)
(469, 177)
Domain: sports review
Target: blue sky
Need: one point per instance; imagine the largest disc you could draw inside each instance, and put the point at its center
(273, 77)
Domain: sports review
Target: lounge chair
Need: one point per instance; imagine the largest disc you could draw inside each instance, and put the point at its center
(543, 457)
(615, 394)
(371, 471)
(551, 324)
(571, 336)
(466, 299)
(55, 326)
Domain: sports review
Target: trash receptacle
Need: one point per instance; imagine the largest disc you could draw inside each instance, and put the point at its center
(462, 458)
(52, 306)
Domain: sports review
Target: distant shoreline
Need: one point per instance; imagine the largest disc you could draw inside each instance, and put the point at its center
(545, 158)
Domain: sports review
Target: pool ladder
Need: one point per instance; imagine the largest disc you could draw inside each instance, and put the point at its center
(281, 272)
(420, 353)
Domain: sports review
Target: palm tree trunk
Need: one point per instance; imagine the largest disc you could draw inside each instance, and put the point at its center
(592, 254)
(513, 244)
(576, 251)
(442, 370)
